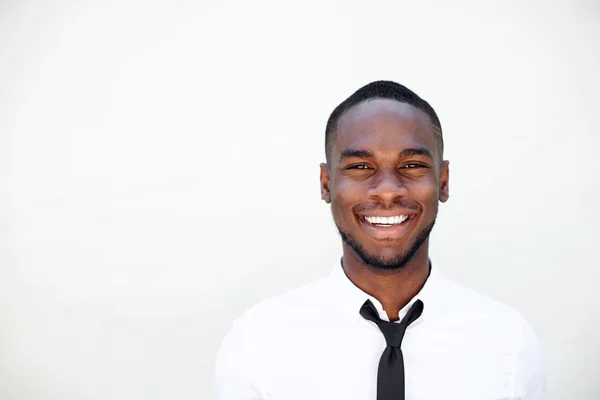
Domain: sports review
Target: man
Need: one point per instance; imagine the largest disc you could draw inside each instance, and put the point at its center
(385, 324)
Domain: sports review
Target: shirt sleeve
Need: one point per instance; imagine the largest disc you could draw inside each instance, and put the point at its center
(530, 372)
(233, 371)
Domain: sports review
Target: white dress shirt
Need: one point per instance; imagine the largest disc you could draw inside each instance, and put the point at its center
(312, 343)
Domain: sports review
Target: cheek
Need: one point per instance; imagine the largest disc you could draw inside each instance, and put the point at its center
(424, 191)
(344, 195)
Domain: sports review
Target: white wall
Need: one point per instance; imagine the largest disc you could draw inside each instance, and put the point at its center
(159, 173)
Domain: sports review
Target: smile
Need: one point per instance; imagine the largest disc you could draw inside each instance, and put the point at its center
(386, 221)
(392, 227)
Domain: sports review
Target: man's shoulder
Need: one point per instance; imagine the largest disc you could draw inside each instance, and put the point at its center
(471, 303)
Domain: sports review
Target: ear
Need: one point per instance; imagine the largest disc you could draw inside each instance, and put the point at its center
(325, 180)
(444, 181)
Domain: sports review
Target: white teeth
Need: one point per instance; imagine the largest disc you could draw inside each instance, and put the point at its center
(395, 220)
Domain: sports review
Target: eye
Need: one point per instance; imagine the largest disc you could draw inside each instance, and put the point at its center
(358, 166)
(413, 166)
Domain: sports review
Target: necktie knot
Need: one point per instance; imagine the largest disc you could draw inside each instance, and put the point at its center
(392, 332)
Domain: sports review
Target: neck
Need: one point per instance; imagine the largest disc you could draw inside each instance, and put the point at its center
(392, 288)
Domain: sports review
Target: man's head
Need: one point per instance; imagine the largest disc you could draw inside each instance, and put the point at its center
(385, 173)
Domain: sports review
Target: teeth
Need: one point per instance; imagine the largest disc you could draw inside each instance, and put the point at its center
(395, 220)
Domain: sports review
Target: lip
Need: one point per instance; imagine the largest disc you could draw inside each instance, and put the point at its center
(387, 233)
(380, 214)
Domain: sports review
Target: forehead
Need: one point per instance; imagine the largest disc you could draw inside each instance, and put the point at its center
(384, 124)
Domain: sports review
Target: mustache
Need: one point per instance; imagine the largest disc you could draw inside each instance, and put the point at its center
(399, 203)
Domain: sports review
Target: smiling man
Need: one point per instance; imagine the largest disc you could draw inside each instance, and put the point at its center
(385, 324)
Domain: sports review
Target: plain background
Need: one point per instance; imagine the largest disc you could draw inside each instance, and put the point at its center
(159, 174)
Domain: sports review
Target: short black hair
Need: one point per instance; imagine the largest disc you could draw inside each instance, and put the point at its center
(381, 90)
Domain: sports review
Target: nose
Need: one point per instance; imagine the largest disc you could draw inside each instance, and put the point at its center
(387, 186)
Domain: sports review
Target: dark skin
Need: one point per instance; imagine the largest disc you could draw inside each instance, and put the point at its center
(385, 162)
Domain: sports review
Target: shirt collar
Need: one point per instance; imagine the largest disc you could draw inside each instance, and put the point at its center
(351, 297)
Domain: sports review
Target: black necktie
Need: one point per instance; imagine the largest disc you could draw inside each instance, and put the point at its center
(390, 375)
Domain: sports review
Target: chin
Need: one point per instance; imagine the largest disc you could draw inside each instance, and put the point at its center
(391, 257)
(393, 261)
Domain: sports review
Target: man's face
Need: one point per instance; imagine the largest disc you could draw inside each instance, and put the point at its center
(384, 180)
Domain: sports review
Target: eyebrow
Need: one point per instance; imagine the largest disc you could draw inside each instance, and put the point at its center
(419, 151)
(356, 153)
(349, 153)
